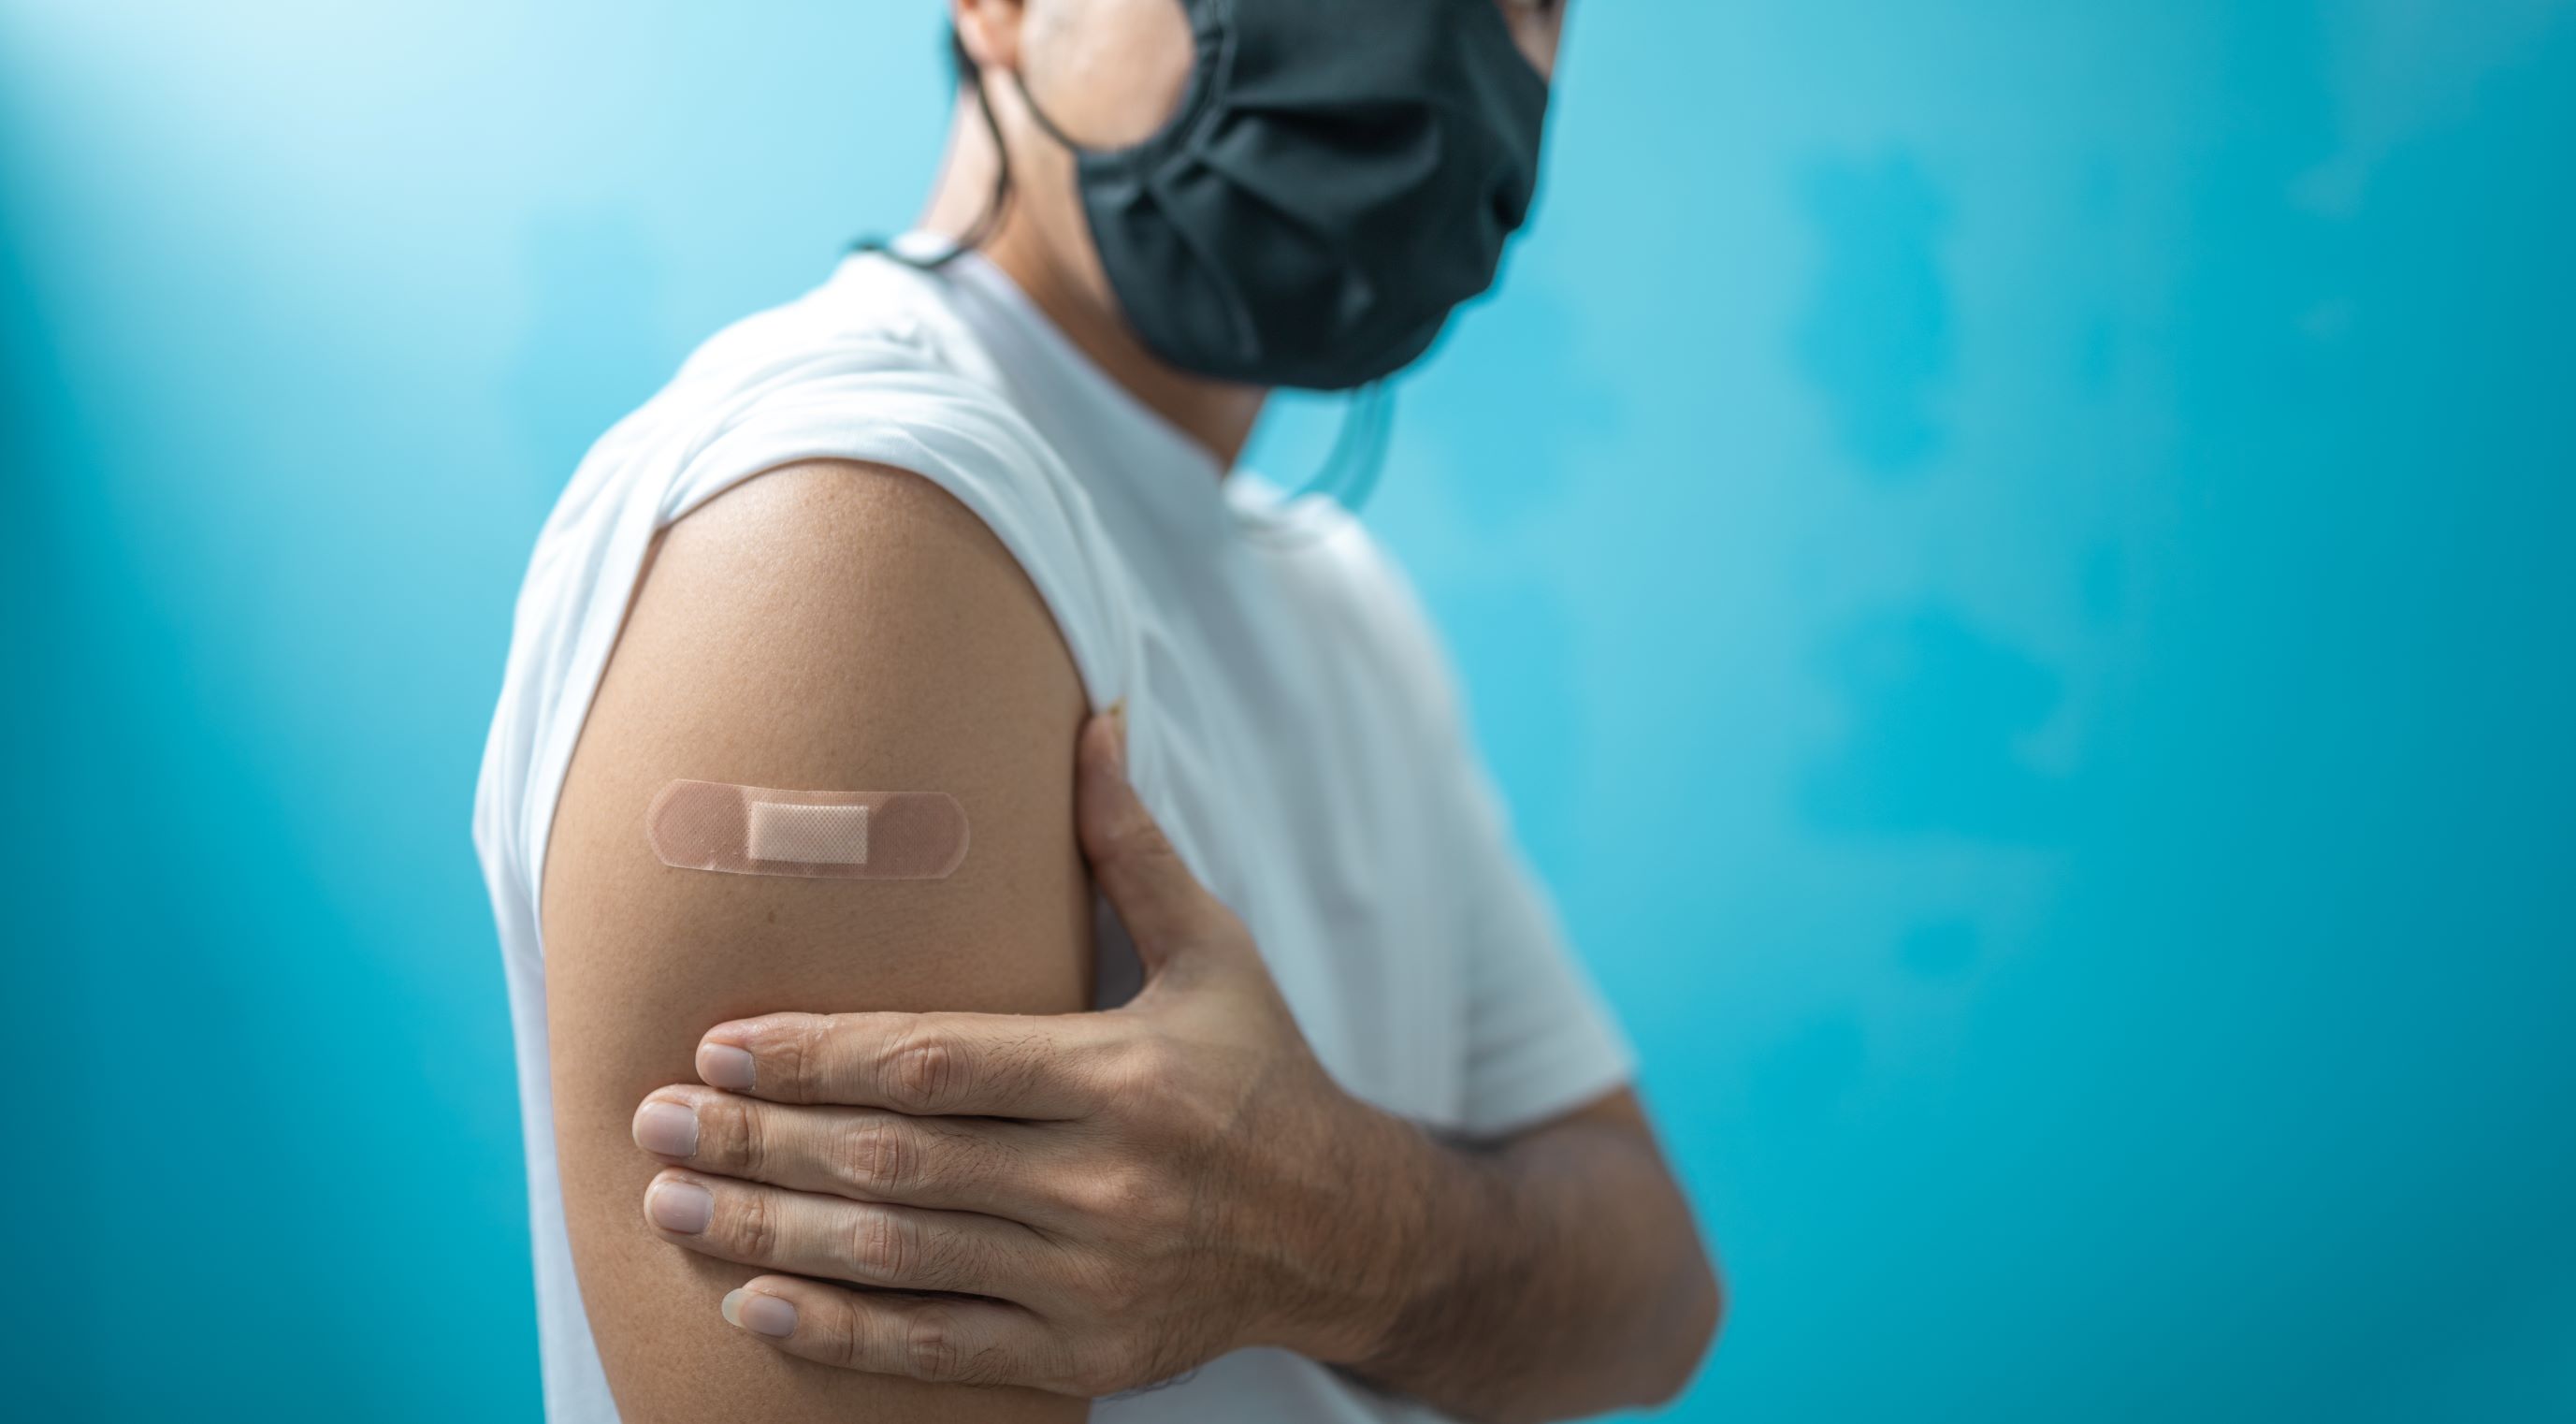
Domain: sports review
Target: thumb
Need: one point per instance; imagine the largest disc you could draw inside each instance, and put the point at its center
(1166, 911)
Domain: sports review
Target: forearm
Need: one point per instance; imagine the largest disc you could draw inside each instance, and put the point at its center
(1553, 1276)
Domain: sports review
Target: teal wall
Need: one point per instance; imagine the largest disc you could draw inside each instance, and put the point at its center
(2011, 555)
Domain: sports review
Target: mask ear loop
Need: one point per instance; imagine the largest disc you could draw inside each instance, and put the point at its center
(1358, 456)
(1350, 470)
(1029, 102)
(990, 220)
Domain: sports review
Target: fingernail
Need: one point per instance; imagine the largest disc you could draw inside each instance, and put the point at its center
(667, 1129)
(721, 1065)
(684, 1207)
(760, 1314)
(1118, 742)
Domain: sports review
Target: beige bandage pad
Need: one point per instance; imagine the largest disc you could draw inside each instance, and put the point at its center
(833, 835)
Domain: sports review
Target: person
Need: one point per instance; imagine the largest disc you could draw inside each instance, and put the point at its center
(1239, 1070)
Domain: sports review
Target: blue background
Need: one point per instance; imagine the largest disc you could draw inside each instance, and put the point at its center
(2011, 556)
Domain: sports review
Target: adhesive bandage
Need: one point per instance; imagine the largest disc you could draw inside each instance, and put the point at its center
(829, 835)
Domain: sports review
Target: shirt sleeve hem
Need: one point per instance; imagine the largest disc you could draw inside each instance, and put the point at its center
(1546, 1080)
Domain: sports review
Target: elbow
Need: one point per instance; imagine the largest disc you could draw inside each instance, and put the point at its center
(1666, 1357)
(1699, 1312)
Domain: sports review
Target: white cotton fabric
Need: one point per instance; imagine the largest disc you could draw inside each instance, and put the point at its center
(1290, 721)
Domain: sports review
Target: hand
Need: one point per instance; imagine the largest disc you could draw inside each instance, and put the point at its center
(1082, 1203)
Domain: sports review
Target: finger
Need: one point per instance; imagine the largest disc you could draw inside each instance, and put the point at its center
(871, 1243)
(927, 1065)
(986, 1165)
(1161, 902)
(969, 1342)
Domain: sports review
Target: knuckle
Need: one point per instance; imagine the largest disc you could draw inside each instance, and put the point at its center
(855, 1345)
(1101, 1196)
(1118, 1295)
(876, 1154)
(1140, 1070)
(753, 1225)
(924, 1071)
(777, 1048)
(802, 1048)
(930, 1345)
(1124, 1196)
(884, 1246)
(740, 1137)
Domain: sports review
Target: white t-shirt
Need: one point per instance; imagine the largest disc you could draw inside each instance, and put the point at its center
(1290, 721)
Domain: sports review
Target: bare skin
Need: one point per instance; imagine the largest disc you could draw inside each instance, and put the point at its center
(737, 664)
(1132, 1193)
(1108, 72)
(911, 1179)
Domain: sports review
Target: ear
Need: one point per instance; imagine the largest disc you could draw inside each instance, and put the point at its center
(990, 30)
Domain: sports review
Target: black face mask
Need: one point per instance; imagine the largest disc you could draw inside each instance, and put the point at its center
(1340, 176)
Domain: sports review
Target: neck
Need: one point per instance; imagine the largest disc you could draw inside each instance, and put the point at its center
(1062, 276)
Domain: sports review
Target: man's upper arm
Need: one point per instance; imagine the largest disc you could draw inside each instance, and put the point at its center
(826, 627)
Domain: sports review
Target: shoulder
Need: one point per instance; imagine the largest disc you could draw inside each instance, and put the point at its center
(1343, 578)
(828, 626)
(831, 571)
(872, 354)
(868, 377)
